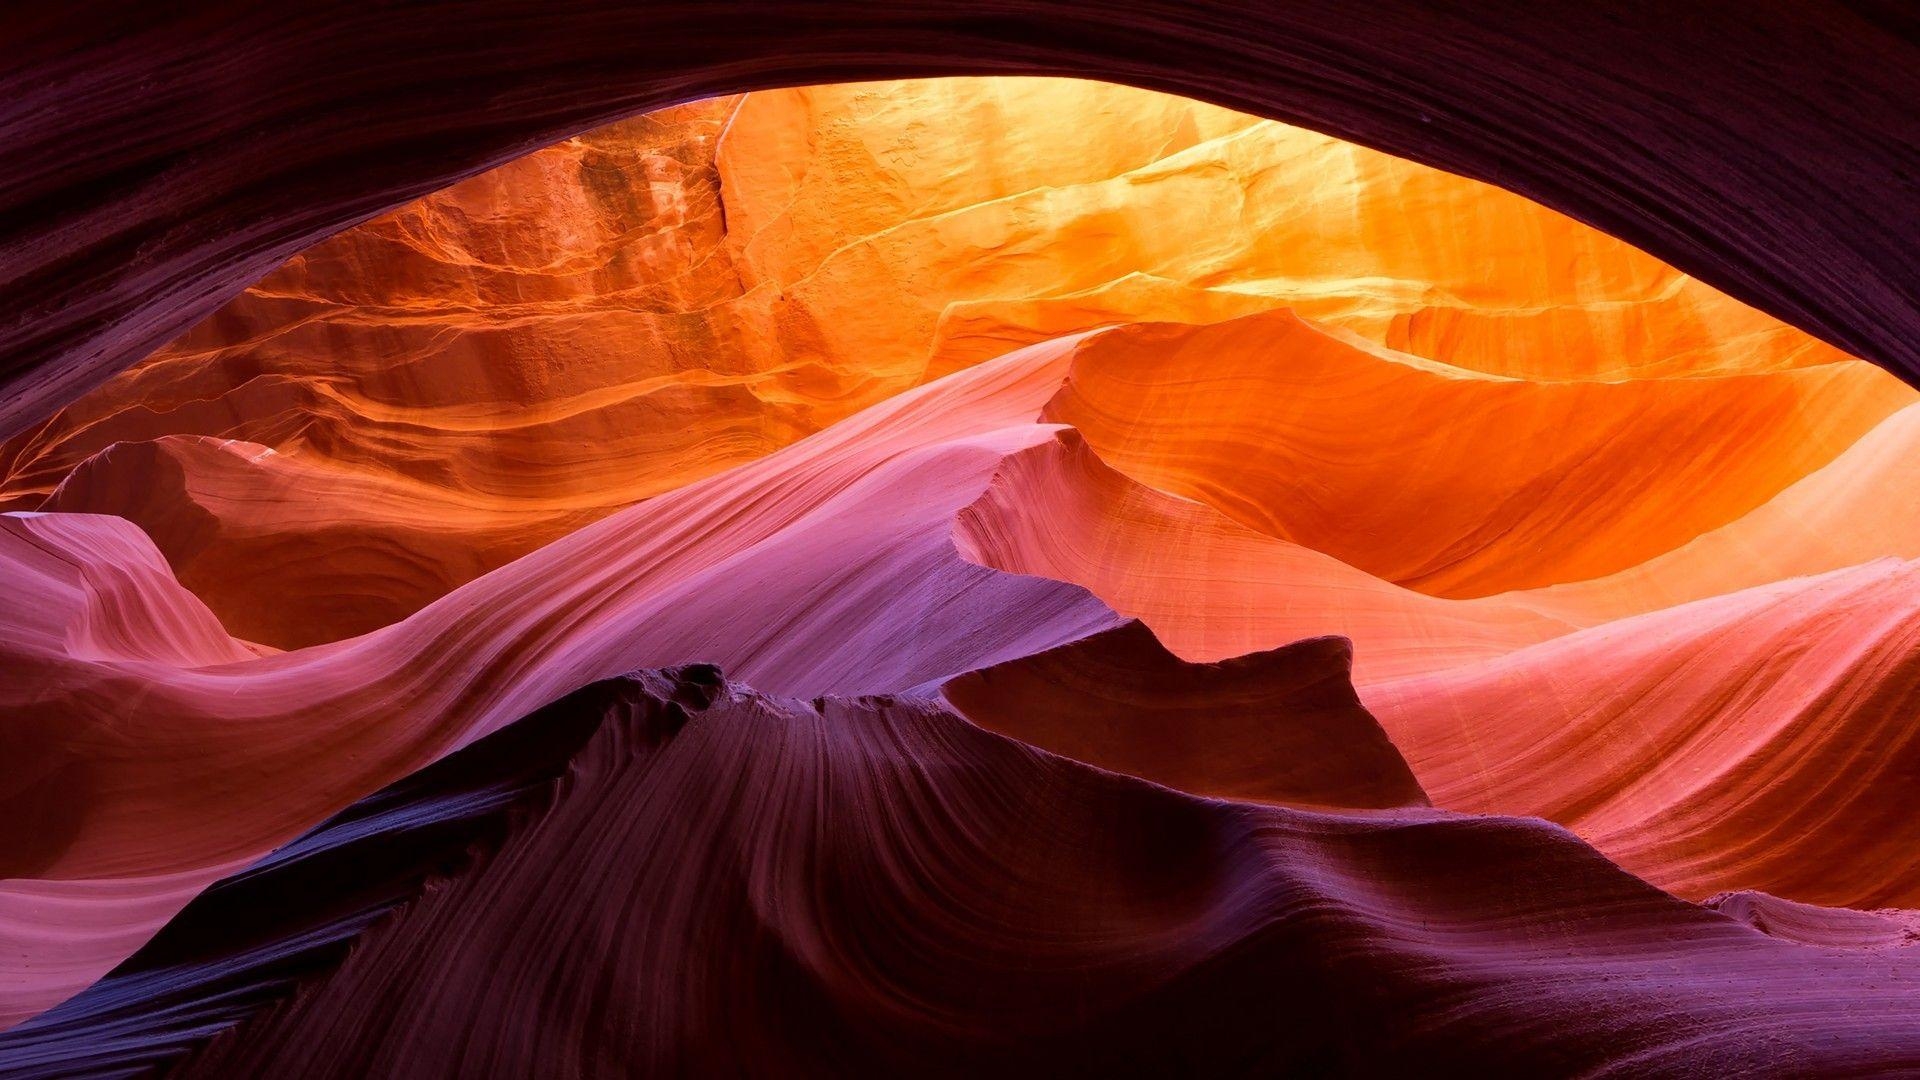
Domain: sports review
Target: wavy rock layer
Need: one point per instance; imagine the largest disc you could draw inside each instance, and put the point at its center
(1708, 746)
(873, 558)
(639, 404)
(1761, 740)
(1313, 437)
(1210, 587)
(259, 537)
(876, 885)
(827, 568)
(453, 385)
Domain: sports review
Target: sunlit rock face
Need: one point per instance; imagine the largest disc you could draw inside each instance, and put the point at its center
(988, 569)
(456, 384)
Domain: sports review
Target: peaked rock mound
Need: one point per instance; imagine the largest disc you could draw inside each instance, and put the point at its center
(742, 905)
(829, 567)
(946, 530)
(1281, 726)
(1210, 587)
(249, 940)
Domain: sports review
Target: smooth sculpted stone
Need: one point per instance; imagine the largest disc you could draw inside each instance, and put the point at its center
(1282, 726)
(1196, 595)
(452, 385)
(944, 531)
(669, 872)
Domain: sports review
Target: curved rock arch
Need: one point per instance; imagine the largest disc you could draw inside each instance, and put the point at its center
(155, 163)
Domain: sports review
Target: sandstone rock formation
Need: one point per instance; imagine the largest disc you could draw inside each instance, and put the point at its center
(757, 891)
(1767, 146)
(453, 385)
(1147, 547)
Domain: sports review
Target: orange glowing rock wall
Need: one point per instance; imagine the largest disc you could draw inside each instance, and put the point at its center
(453, 385)
(1092, 416)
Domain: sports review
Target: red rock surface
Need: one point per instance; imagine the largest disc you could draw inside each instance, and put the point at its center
(1222, 456)
(876, 886)
(1281, 726)
(1781, 169)
(451, 386)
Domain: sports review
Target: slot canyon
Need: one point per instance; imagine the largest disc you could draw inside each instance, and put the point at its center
(979, 572)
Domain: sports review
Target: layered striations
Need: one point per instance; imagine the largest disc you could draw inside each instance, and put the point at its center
(876, 885)
(1149, 548)
(454, 385)
(871, 558)
(1782, 170)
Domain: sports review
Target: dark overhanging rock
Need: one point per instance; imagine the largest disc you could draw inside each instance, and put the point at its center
(155, 163)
